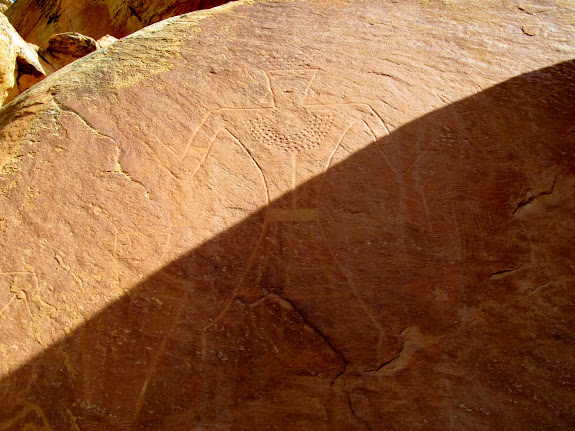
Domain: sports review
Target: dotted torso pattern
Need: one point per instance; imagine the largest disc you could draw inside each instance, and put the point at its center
(307, 138)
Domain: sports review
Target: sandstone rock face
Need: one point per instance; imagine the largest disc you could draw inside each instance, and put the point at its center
(37, 20)
(106, 41)
(4, 4)
(19, 64)
(229, 221)
(64, 48)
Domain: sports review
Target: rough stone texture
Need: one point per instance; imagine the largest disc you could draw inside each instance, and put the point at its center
(19, 64)
(37, 20)
(4, 4)
(64, 48)
(106, 41)
(299, 216)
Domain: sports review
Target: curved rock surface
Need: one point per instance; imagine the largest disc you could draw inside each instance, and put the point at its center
(37, 20)
(64, 48)
(20, 66)
(4, 4)
(300, 216)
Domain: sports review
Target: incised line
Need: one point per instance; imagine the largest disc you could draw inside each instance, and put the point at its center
(271, 91)
(193, 137)
(238, 142)
(8, 304)
(234, 291)
(321, 228)
(156, 359)
(294, 179)
(30, 407)
(351, 283)
(331, 156)
(206, 153)
(311, 82)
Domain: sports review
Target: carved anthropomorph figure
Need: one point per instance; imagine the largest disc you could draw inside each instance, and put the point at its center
(292, 143)
(270, 163)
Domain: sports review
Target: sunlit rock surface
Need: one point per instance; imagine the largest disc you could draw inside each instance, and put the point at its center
(20, 66)
(4, 4)
(300, 216)
(64, 48)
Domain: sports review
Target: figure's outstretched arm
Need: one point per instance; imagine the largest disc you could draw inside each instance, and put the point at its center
(197, 147)
(372, 120)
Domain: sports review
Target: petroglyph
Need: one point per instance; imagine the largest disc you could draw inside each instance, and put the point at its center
(314, 130)
(290, 142)
(19, 284)
(289, 238)
(305, 133)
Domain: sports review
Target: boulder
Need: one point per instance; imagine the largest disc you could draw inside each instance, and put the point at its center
(19, 63)
(296, 215)
(4, 5)
(37, 20)
(65, 48)
(106, 41)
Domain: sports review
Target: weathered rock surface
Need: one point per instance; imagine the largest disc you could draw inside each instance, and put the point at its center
(300, 216)
(4, 4)
(64, 48)
(106, 41)
(19, 64)
(37, 20)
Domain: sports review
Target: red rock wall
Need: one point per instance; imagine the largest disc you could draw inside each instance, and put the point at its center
(230, 221)
(37, 20)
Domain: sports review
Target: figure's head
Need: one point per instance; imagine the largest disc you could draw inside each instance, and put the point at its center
(290, 87)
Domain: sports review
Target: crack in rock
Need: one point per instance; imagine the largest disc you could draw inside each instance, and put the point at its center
(392, 360)
(356, 414)
(118, 166)
(135, 13)
(325, 339)
(529, 200)
(499, 274)
(308, 323)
